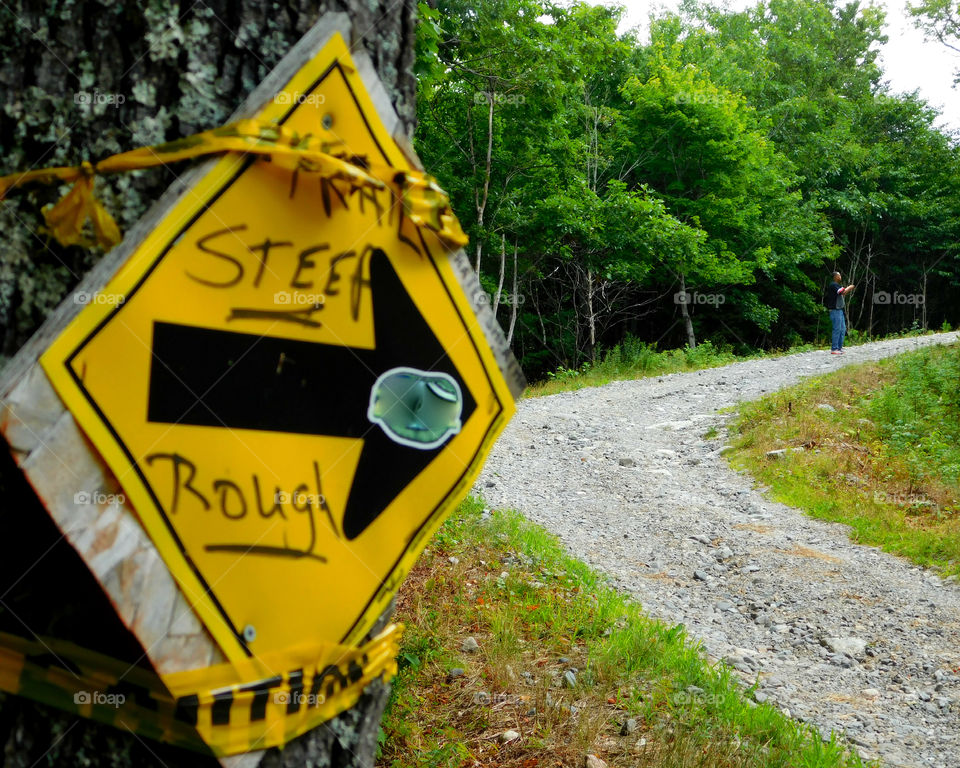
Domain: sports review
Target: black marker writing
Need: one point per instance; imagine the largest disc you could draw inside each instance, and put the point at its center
(202, 246)
(231, 500)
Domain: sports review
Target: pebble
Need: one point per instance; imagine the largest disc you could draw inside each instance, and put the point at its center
(628, 727)
(570, 679)
(793, 582)
(851, 646)
(470, 645)
(592, 761)
(507, 736)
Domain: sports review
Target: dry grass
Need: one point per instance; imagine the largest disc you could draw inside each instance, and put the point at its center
(845, 472)
(801, 551)
(659, 576)
(755, 527)
(536, 614)
(493, 696)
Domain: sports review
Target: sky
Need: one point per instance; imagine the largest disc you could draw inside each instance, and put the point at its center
(909, 62)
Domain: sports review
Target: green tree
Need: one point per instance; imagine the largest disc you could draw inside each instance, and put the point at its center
(704, 149)
(940, 20)
(741, 153)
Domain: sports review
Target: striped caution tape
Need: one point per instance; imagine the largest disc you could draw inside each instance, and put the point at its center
(222, 710)
(420, 197)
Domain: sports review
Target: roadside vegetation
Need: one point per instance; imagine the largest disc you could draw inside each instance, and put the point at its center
(697, 179)
(636, 359)
(875, 446)
(564, 666)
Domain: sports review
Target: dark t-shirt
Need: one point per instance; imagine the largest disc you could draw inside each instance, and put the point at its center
(832, 298)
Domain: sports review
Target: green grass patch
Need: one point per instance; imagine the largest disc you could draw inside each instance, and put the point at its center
(635, 359)
(880, 452)
(538, 613)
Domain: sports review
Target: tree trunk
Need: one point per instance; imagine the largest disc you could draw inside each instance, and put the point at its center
(480, 198)
(923, 304)
(866, 279)
(515, 301)
(503, 269)
(86, 80)
(685, 313)
(591, 316)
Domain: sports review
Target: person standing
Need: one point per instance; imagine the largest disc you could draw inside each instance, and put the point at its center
(834, 301)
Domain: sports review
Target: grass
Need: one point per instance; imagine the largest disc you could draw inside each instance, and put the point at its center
(635, 359)
(885, 460)
(537, 613)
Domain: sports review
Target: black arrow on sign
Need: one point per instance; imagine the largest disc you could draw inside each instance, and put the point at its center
(319, 389)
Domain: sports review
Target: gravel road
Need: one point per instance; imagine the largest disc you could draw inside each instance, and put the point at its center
(842, 636)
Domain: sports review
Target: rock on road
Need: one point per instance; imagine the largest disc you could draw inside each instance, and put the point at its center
(843, 636)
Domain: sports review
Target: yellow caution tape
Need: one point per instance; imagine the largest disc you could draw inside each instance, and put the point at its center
(423, 201)
(66, 219)
(226, 709)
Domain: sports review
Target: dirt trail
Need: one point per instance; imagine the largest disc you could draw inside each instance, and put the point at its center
(843, 636)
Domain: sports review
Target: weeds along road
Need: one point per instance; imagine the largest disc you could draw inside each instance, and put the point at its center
(842, 636)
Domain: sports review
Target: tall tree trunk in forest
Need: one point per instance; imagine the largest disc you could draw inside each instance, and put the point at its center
(685, 313)
(923, 302)
(515, 299)
(503, 269)
(866, 279)
(481, 197)
(592, 128)
(85, 80)
(591, 316)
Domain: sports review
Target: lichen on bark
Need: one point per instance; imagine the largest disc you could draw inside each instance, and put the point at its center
(83, 80)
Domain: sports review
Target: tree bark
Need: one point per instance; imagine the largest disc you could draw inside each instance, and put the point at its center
(503, 267)
(685, 313)
(923, 305)
(515, 301)
(591, 317)
(85, 80)
(480, 198)
(866, 277)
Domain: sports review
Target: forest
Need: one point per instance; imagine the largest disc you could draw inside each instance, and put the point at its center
(698, 182)
(701, 184)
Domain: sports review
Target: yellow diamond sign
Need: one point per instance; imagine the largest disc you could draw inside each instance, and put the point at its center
(288, 381)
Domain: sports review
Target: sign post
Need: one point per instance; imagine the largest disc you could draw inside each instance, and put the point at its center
(279, 387)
